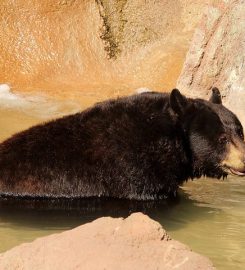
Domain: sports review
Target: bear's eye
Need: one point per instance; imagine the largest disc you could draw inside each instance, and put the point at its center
(223, 139)
(240, 134)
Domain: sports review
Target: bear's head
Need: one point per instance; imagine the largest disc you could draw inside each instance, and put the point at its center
(213, 134)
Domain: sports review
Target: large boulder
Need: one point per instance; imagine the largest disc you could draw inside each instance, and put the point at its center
(136, 242)
(217, 56)
(101, 46)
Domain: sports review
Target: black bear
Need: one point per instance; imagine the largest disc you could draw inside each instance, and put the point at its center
(139, 147)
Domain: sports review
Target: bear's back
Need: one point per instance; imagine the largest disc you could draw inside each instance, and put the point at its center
(111, 149)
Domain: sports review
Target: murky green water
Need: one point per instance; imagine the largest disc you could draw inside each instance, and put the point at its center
(213, 221)
(210, 216)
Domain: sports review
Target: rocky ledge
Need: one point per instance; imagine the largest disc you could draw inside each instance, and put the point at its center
(217, 55)
(136, 242)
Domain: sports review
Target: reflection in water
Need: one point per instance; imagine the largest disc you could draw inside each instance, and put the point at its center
(209, 216)
(26, 218)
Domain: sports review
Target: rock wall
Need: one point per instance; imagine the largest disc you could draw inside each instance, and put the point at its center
(217, 56)
(98, 46)
(137, 243)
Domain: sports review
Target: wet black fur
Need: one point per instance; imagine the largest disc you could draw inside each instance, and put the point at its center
(141, 147)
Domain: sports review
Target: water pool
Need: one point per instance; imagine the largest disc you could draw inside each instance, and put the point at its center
(209, 217)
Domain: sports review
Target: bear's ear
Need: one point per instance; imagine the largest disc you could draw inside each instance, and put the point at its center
(178, 102)
(216, 96)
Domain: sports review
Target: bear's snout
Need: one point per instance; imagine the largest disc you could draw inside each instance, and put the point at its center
(234, 162)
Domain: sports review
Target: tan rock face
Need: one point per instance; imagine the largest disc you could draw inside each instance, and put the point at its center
(136, 242)
(217, 56)
(62, 46)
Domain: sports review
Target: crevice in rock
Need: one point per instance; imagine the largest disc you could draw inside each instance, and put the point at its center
(113, 25)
